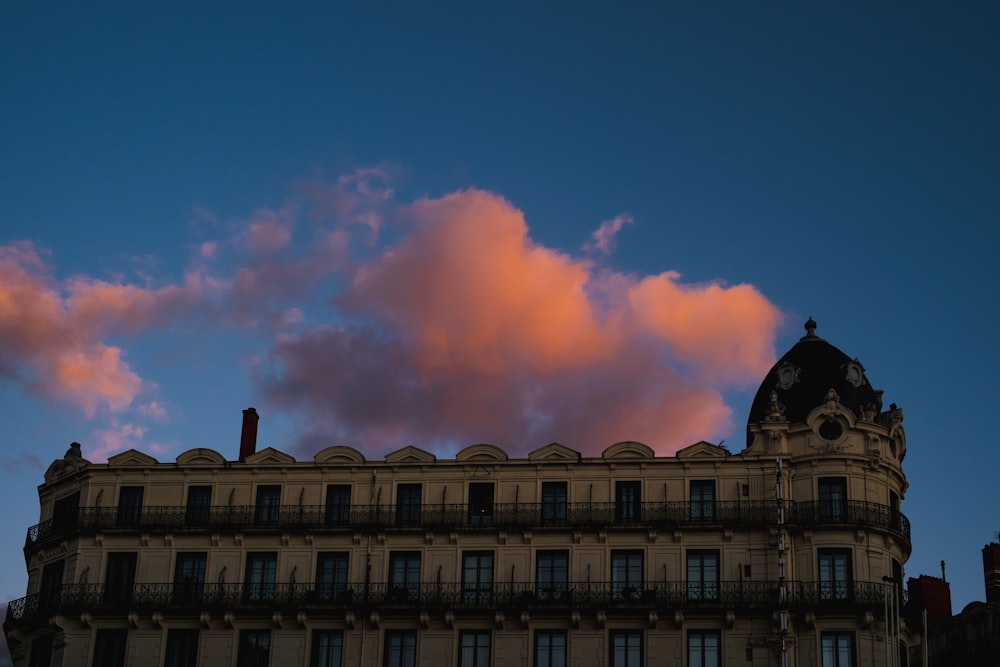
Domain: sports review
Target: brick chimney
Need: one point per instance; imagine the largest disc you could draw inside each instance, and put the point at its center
(991, 571)
(932, 594)
(248, 438)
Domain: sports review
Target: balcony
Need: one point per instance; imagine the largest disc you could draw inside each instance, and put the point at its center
(746, 596)
(501, 516)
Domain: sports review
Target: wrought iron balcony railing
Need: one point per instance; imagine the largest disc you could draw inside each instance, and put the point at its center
(762, 596)
(501, 516)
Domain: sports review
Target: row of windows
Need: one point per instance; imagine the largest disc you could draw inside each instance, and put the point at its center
(404, 576)
(550, 648)
(832, 494)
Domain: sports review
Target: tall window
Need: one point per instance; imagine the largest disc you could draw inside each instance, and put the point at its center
(129, 506)
(41, 651)
(52, 580)
(189, 577)
(404, 575)
(255, 648)
(477, 577)
(400, 648)
(474, 648)
(837, 649)
(703, 575)
(554, 503)
(408, 505)
(338, 504)
(626, 648)
(704, 648)
(628, 499)
(120, 579)
(199, 505)
(109, 648)
(268, 508)
(331, 575)
(182, 648)
(261, 574)
(481, 503)
(833, 498)
(550, 648)
(552, 575)
(65, 513)
(835, 574)
(327, 648)
(702, 499)
(626, 575)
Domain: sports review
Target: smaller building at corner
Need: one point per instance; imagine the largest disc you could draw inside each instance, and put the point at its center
(788, 552)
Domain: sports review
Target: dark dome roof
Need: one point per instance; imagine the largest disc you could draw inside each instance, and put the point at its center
(802, 378)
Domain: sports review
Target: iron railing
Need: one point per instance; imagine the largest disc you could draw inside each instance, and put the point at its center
(386, 597)
(499, 516)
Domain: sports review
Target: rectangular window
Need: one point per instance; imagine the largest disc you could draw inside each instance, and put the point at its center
(481, 503)
(189, 577)
(182, 648)
(833, 498)
(327, 648)
(626, 648)
(338, 504)
(835, 574)
(41, 651)
(550, 648)
(704, 648)
(65, 514)
(268, 508)
(199, 505)
(408, 505)
(626, 575)
(554, 501)
(52, 581)
(552, 575)
(837, 649)
(120, 578)
(477, 578)
(255, 648)
(109, 648)
(474, 648)
(702, 499)
(404, 576)
(703, 575)
(628, 499)
(331, 576)
(400, 648)
(260, 577)
(129, 506)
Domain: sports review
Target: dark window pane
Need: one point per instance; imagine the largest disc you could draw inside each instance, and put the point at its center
(477, 577)
(835, 574)
(404, 576)
(327, 648)
(552, 575)
(408, 505)
(268, 509)
(255, 648)
(331, 576)
(703, 575)
(109, 648)
(628, 499)
(626, 575)
(704, 648)
(554, 500)
(626, 648)
(261, 573)
(703, 500)
(199, 505)
(481, 503)
(833, 498)
(338, 504)
(129, 506)
(189, 577)
(474, 648)
(837, 649)
(550, 648)
(182, 648)
(400, 648)
(120, 579)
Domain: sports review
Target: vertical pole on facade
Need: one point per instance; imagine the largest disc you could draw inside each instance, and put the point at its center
(779, 495)
(927, 636)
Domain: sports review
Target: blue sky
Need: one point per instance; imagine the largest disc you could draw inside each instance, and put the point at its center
(241, 204)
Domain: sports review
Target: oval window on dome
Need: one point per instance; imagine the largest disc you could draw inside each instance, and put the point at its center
(831, 429)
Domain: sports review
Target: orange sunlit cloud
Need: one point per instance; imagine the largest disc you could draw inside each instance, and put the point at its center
(472, 332)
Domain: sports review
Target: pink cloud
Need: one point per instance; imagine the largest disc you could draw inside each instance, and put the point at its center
(603, 238)
(268, 232)
(465, 330)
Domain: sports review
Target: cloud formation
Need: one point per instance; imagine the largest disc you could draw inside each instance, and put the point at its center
(472, 332)
(437, 322)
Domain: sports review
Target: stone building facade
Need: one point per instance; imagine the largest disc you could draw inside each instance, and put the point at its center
(788, 552)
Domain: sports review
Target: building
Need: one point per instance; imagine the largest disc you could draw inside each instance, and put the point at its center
(970, 638)
(788, 552)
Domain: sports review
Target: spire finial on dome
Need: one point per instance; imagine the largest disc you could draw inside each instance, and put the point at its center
(810, 326)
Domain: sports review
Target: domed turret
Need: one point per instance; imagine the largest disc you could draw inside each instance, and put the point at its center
(803, 379)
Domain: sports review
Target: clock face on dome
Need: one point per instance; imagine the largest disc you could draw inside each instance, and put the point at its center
(788, 375)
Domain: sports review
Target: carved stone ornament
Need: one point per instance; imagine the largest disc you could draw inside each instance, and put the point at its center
(788, 375)
(776, 409)
(854, 373)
